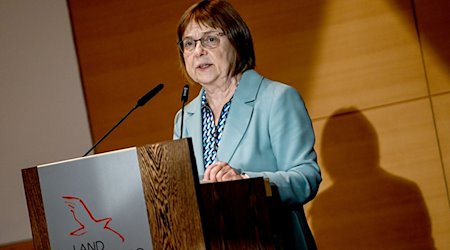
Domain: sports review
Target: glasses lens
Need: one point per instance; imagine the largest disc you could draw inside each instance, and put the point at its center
(188, 44)
(210, 41)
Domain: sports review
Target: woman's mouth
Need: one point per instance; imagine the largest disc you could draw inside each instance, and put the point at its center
(204, 65)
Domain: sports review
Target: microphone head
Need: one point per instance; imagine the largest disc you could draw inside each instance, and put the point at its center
(185, 93)
(141, 102)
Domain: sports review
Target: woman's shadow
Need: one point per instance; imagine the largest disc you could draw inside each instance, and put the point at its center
(365, 207)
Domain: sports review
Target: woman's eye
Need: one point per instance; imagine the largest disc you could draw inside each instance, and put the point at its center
(211, 39)
(188, 43)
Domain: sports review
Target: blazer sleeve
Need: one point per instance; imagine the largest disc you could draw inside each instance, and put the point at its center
(292, 141)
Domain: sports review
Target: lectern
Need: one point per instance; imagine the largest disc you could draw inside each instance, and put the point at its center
(145, 197)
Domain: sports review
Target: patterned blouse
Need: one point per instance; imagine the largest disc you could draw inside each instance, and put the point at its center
(212, 134)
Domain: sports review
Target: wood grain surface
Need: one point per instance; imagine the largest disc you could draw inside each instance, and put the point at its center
(36, 208)
(169, 183)
(237, 214)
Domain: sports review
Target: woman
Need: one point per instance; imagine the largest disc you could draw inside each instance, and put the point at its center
(244, 125)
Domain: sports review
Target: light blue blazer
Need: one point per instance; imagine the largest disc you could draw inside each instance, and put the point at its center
(268, 133)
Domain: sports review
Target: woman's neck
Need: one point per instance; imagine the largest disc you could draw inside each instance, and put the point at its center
(221, 93)
(218, 95)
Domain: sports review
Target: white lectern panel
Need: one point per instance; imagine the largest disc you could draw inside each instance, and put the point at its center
(96, 202)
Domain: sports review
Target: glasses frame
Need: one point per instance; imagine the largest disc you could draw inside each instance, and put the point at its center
(202, 41)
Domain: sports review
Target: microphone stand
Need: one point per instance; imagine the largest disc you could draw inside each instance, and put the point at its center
(184, 98)
(109, 132)
(141, 102)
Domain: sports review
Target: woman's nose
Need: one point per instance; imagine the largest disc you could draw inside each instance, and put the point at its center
(199, 49)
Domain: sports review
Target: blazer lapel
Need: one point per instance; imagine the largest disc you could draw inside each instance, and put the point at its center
(193, 124)
(240, 114)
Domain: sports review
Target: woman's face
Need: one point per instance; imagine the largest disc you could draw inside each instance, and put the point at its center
(208, 66)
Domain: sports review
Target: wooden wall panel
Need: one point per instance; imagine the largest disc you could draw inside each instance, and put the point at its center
(433, 20)
(378, 175)
(124, 50)
(368, 56)
(441, 105)
(409, 149)
(26, 245)
(286, 36)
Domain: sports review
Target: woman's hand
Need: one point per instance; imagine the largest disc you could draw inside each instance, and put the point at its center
(221, 171)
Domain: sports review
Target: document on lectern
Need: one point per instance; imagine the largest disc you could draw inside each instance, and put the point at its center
(96, 202)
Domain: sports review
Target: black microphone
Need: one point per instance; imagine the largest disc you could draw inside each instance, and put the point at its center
(184, 98)
(185, 94)
(141, 102)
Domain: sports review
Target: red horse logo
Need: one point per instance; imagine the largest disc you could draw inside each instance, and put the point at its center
(84, 217)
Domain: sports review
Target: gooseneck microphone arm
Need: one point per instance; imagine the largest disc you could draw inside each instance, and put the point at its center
(184, 98)
(141, 102)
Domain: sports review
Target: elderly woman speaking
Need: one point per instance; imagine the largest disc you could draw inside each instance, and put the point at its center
(242, 124)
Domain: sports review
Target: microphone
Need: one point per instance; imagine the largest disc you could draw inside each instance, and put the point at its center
(184, 98)
(141, 102)
(185, 94)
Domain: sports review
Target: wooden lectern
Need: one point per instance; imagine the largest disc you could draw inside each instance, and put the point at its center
(181, 213)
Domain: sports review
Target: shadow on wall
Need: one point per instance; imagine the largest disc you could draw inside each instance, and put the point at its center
(366, 207)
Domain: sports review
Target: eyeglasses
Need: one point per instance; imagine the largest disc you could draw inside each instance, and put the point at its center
(208, 41)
